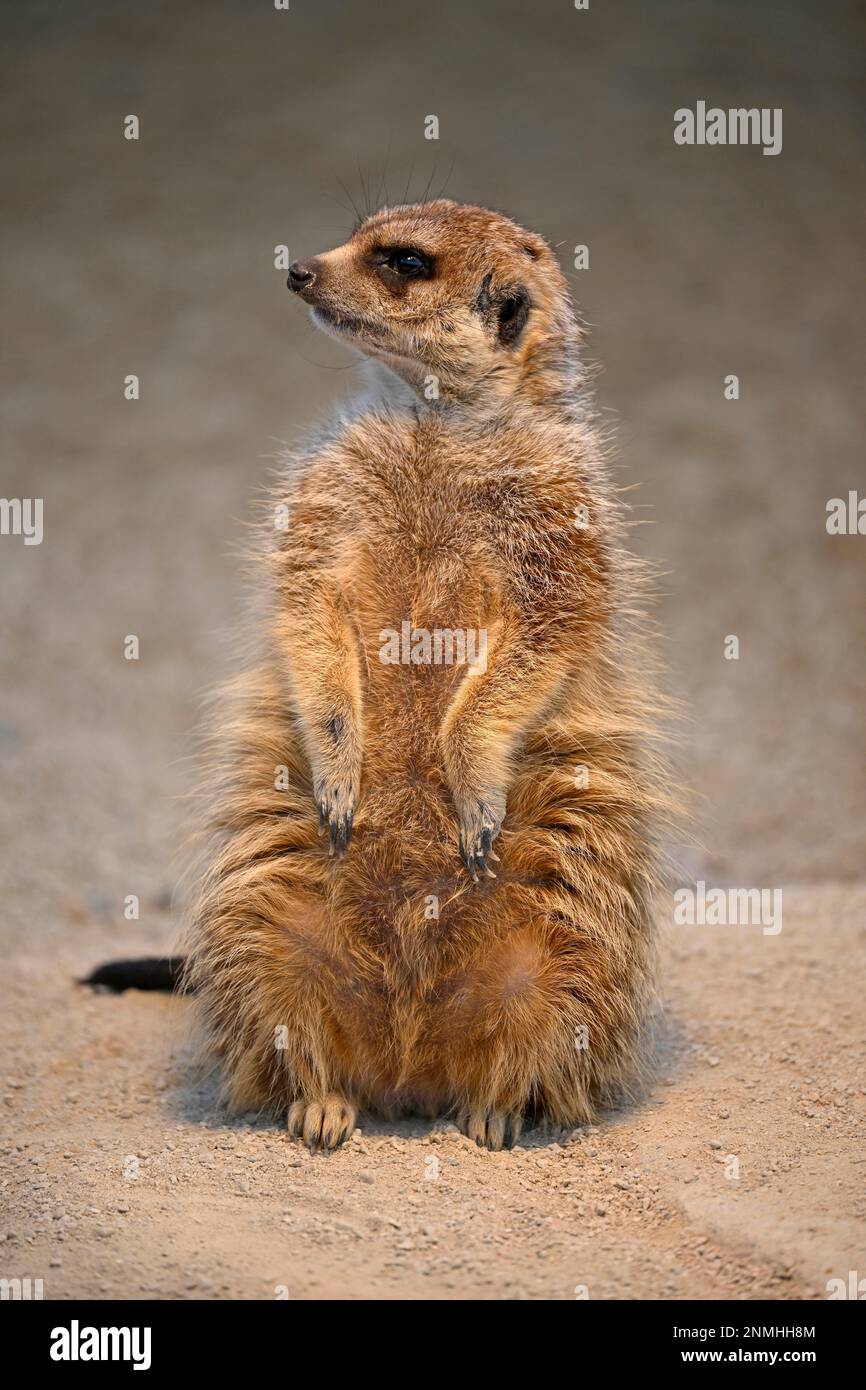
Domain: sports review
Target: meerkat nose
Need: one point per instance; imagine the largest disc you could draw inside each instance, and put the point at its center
(301, 277)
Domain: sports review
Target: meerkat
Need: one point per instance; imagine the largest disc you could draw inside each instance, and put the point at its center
(444, 904)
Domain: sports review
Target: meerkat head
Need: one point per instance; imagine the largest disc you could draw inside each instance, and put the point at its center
(457, 300)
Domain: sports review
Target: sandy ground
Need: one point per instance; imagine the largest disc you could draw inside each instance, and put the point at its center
(740, 1176)
(121, 1176)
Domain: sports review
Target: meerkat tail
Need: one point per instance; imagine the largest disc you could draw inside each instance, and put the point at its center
(150, 973)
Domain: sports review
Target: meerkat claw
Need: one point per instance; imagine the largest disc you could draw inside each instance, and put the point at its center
(476, 849)
(336, 817)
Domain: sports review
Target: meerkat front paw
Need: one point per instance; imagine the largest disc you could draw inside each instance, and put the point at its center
(324, 1124)
(336, 803)
(479, 821)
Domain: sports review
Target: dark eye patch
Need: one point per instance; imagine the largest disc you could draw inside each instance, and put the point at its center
(405, 262)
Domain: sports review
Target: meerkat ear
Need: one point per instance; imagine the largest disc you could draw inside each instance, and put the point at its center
(512, 315)
(506, 310)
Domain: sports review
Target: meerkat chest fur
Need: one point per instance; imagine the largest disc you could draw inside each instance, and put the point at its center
(449, 536)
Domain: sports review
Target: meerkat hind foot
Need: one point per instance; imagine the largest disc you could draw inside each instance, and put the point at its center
(492, 1131)
(324, 1124)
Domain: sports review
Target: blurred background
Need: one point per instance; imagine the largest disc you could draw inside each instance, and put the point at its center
(156, 257)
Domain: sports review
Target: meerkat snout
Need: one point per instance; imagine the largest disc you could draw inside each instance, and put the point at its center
(302, 276)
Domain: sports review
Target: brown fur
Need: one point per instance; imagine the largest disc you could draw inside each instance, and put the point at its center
(326, 982)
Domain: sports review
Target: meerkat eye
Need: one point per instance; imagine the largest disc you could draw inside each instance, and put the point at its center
(409, 263)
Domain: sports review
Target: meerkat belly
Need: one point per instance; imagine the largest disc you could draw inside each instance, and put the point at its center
(426, 623)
